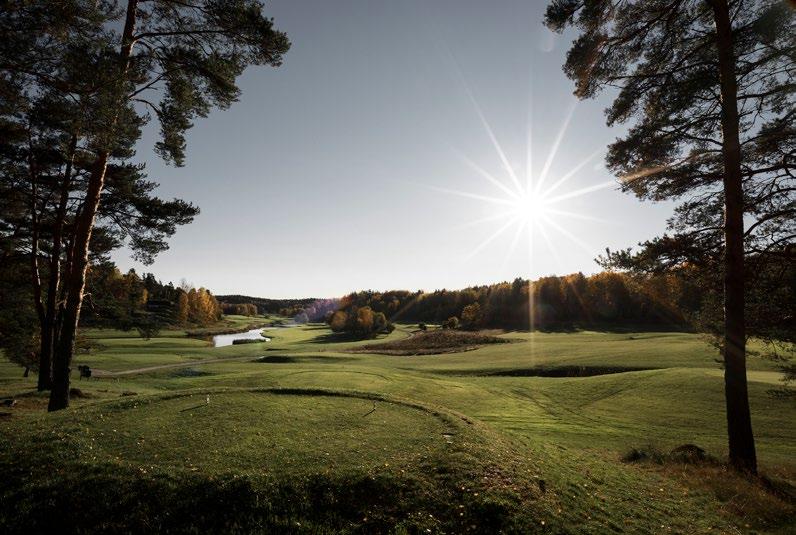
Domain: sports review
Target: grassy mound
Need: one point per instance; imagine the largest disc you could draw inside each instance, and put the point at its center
(271, 460)
(433, 342)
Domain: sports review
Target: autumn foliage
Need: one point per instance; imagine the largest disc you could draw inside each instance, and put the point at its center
(607, 298)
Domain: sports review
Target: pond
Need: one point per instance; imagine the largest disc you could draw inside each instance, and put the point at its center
(221, 340)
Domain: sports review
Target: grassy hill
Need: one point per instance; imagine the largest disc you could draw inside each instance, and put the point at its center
(313, 433)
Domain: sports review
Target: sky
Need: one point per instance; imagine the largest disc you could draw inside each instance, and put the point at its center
(383, 155)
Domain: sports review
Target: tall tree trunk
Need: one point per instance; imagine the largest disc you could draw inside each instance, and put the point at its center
(46, 335)
(739, 421)
(48, 324)
(44, 379)
(75, 281)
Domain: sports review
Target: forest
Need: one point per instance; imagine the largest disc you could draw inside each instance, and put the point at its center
(677, 299)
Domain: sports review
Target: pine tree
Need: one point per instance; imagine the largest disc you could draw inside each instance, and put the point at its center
(710, 86)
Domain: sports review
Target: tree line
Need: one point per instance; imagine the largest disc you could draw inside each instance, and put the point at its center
(129, 301)
(114, 299)
(607, 298)
(317, 310)
(302, 310)
(239, 309)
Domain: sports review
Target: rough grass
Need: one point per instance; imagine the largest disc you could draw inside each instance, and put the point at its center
(433, 343)
(760, 503)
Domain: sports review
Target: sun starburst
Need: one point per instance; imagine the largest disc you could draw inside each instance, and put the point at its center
(538, 204)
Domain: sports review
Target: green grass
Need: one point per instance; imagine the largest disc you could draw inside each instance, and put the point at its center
(339, 432)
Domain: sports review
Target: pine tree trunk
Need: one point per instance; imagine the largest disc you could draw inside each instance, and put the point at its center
(48, 319)
(48, 327)
(739, 422)
(75, 281)
(44, 381)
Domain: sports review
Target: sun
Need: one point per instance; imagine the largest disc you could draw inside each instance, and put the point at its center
(531, 208)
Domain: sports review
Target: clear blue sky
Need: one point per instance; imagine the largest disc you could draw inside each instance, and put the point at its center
(332, 173)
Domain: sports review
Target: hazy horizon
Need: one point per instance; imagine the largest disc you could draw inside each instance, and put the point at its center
(345, 159)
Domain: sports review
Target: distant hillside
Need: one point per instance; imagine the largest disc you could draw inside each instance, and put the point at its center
(266, 305)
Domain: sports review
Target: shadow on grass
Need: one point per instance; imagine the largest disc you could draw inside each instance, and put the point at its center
(607, 327)
(194, 407)
(312, 327)
(113, 500)
(335, 338)
(549, 371)
(285, 359)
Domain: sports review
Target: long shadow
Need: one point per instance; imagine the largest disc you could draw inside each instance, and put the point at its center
(331, 338)
(193, 408)
(284, 359)
(551, 371)
(612, 328)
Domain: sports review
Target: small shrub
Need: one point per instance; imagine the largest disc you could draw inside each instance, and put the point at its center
(686, 453)
(689, 453)
(644, 453)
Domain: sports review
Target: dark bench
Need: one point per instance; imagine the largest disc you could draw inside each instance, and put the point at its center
(85, 371)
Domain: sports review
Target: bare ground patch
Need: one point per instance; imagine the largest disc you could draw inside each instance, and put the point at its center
(433, 342)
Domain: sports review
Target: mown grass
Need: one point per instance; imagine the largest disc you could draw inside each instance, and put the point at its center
(303, 435)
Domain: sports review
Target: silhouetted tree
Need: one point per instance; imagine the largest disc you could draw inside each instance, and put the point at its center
(710, 86)
(173, 59)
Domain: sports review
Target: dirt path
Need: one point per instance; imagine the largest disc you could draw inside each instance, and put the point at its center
(95, 372)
